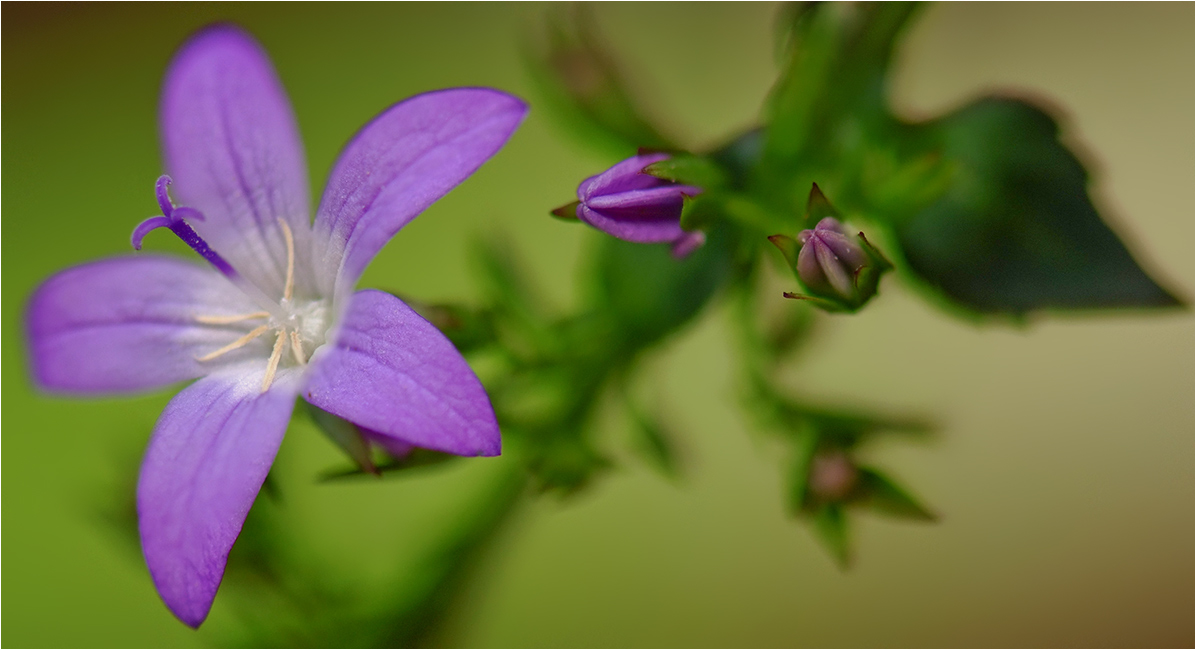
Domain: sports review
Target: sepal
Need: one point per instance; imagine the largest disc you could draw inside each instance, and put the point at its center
(689, 169)
(346, 435)
(567, 212)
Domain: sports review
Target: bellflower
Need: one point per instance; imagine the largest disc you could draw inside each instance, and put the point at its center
(273, 315)
(627, 203)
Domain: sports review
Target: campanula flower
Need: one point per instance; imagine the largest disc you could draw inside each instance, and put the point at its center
(273, 314)
(632, 205)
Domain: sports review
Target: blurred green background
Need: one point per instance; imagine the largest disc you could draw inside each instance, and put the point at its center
(1064, 472)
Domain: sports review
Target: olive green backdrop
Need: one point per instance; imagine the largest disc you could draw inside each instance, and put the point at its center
(1064, 471)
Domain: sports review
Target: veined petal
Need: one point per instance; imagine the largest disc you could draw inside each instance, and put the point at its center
(625, 175)
(399, 164)
(393, 372)
(128, 324)
(644, 231)
(232, 146)
(208, 457)
(663, 202)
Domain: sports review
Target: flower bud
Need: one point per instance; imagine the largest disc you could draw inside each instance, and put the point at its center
(832, 476)
(841, 271)
(829, 260)
(627, 203)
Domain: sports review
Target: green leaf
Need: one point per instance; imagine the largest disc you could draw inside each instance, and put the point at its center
(345, 435)
(1016, 230)
(688, 169)
(880, 493)
(830, 525)
(648, 293)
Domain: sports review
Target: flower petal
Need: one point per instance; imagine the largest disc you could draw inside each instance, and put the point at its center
(392, 372)
(644, 231)
(208, 457)
(232, 146)
(664, 202)
(128, 324)
(623, 176)
(398, 165)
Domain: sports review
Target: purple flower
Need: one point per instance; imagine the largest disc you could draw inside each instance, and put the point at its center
(634, 206)
(275, 316)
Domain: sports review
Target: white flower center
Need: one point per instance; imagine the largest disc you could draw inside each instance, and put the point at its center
(300, 325)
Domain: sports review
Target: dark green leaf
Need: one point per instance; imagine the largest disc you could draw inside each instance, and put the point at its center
(1016, 231)
(880, 493)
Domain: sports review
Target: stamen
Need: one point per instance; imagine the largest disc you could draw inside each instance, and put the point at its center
(275, 357)
(236, 318)
(297, 348)
(258, 331)
(290, 237)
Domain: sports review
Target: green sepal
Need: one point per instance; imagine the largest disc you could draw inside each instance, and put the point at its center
(344, 434)
(688, 169)
(788, 247)
(826, 304)
(567, 212)
(880, 493)
(418, 457)
(804, 448)
(699, 212)
(652, 441)
(830, 525)
(818, 207)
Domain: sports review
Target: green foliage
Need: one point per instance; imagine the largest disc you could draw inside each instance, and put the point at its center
(647, 293)
(578, 78)
(1016, 230)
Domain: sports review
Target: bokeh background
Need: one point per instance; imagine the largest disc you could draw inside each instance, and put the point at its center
(1063, 471)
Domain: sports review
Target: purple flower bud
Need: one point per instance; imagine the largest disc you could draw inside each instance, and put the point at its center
(627, 203)
(830, 259)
